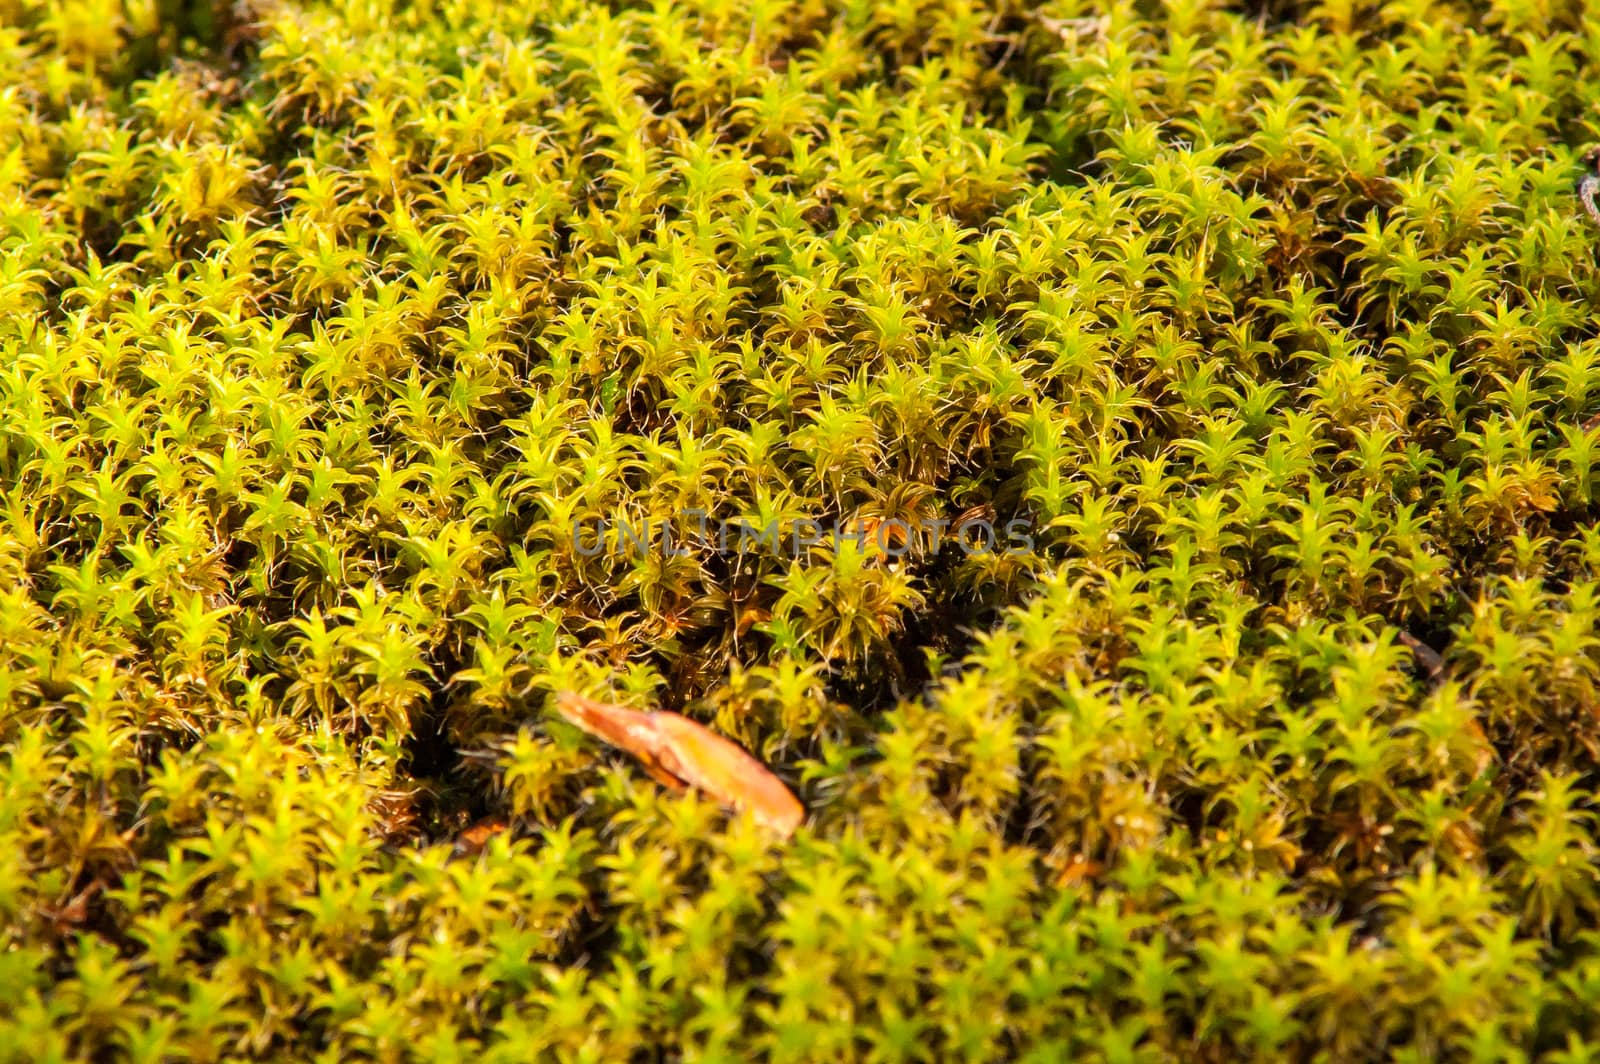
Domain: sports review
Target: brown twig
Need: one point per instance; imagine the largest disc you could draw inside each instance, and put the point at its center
(1589, 187)
(1430, 660)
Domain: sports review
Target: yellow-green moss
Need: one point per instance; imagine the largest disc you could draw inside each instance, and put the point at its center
(322, 325)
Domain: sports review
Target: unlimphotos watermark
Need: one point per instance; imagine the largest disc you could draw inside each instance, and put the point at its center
(891, 537)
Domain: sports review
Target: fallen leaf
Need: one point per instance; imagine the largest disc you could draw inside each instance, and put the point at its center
(680, 752)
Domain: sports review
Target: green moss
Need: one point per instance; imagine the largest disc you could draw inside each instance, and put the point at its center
(323, 325)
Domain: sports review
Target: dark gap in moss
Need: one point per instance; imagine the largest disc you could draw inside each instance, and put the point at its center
(219, 33)
(1188, 807)
(452, 793)
(430, 754)
(899, 668)
(691, 674)
(596, 933)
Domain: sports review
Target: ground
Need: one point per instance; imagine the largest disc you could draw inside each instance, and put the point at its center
(339, 342)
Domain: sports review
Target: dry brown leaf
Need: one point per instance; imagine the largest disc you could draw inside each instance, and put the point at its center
(680, 752)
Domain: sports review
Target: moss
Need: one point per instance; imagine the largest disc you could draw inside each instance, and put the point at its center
(324, 325)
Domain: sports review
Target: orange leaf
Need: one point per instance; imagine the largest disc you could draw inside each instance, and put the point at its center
(676, 749)
(725, 771)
